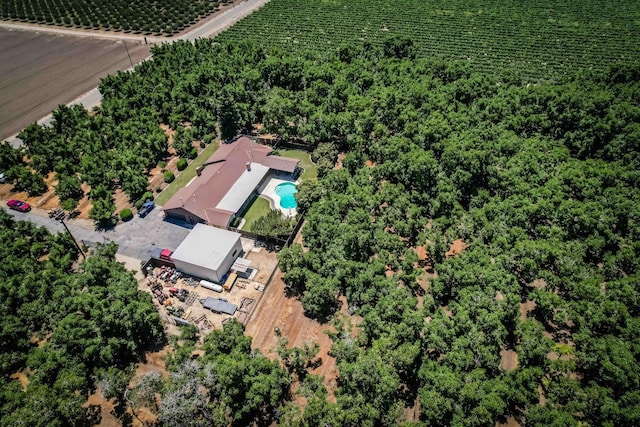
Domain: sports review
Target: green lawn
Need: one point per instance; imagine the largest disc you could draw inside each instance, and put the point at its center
(186, 175)
(259, 208)
(310, 169)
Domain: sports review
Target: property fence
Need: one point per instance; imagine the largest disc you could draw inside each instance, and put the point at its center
(273, 241)
(293, 146)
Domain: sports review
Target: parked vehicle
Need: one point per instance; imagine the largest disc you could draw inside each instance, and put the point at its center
(146, 208)
(18, 205)
(181, 294)
(166, 254)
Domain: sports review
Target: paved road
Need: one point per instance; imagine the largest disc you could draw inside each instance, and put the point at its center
(96, 34)
(224, 20)
(136, 238)
(216, 24)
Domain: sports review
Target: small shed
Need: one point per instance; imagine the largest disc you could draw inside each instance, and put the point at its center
(219, 306)
(207, 252)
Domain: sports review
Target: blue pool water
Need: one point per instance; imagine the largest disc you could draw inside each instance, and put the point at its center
(286, 191)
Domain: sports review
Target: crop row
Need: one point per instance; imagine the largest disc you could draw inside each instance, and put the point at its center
(161, 17)
(543, 39)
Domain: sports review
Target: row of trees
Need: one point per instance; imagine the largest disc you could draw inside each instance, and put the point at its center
(160, 17)
(537, 183)
(541, 182)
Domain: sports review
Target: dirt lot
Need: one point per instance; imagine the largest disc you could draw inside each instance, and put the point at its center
(40, 71)
(245, 294)
(277, 311)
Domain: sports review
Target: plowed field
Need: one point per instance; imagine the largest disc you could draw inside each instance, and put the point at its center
(39, 71)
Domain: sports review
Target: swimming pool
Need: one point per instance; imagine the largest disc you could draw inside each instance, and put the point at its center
(286, 191)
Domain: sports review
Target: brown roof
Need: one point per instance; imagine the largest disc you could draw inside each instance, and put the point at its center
(285, 164)
(201, 196)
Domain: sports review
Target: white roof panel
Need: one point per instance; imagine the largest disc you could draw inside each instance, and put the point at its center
(241, 265)
(242, 188)
(206, 246)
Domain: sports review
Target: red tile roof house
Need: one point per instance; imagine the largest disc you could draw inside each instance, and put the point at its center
(228, 183)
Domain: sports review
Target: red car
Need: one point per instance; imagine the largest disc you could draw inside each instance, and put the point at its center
(19, 205)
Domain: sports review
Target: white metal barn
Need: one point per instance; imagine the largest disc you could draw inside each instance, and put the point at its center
(207, 252)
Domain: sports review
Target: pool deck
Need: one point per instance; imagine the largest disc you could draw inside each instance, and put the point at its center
(268, 191)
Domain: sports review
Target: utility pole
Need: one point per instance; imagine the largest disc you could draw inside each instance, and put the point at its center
(73, 238)
(127, 49)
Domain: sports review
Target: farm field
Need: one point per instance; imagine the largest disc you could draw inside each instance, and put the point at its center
(541, 40)
(149, 17)
(40, 71)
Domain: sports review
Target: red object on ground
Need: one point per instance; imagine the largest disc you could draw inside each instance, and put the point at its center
(18, 205)
(166, 254)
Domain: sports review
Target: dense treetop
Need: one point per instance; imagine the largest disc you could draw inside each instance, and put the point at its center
(532, 39)
(62, 328)
(539, 180)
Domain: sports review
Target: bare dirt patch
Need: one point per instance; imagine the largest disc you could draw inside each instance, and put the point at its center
(277, 311)
(508, 360)
(422, 253)
(525, 308)
(538, 284)
(22, 378)
(456, 248)
(106, 409)
(42, 70)
(510, 422)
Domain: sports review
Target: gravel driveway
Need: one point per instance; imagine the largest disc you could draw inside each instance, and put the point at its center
(135, 239)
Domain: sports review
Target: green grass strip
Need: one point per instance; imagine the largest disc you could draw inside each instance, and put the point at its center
(259, 208)
(186, 175)
(310, 169)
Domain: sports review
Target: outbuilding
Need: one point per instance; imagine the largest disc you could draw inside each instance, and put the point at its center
(207, 252)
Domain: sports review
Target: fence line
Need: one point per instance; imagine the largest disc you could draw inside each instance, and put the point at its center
(273, 241)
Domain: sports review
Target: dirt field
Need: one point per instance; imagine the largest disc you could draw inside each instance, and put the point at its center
(40, 71)
(277, 311)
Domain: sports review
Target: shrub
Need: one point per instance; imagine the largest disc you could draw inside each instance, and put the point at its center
(325, 150)
(169, 177)
(145, 198)
(193, 153)
(203, 144)
(273, 225)
(183, 140)
(162, 164)
(126, 214)
(69, 204)
(208, 138)
(182, 164)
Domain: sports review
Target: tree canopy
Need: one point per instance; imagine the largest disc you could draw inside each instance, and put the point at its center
(61, 327)
(540, 183)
